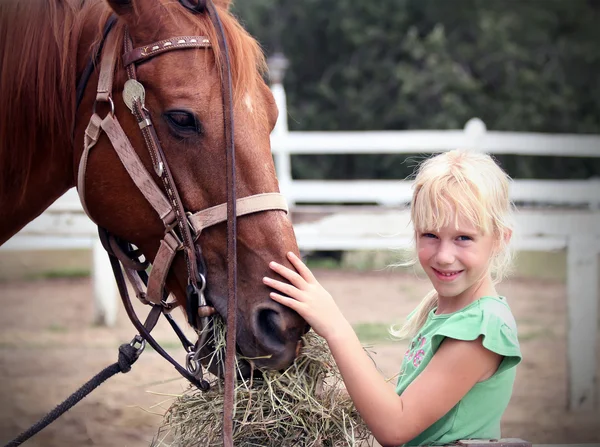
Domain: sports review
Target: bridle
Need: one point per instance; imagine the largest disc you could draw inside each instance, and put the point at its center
(182, 227)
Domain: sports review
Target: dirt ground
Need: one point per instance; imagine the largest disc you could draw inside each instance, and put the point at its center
(49, 347)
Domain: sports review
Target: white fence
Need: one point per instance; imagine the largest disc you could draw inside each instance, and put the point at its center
(393, 192)
(64, 225)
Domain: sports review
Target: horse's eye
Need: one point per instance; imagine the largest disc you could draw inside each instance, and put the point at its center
(183, 122)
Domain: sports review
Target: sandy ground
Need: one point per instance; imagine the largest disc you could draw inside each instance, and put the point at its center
(49, 347)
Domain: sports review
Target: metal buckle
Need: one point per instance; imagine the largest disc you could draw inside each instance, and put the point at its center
(195, 235)
(171, 229)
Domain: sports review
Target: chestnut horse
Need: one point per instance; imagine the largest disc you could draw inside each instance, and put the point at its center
(45, 149)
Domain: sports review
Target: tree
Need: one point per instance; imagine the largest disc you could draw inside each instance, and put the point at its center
(425, 64)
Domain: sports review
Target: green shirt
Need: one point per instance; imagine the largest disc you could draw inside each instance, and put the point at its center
(477, 415)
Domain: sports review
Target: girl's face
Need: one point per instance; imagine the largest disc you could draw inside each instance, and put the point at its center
(456, 260)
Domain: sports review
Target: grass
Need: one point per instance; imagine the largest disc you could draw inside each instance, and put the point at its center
(57, 328)
(77, 263)
(166, 345)
(373, 332)
(322, 263)
(527, 264)
(68, 273)
(535, 334)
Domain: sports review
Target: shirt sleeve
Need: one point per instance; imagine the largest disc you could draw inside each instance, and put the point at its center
(495, 323)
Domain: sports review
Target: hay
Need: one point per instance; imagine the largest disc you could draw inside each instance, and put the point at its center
(306, 405)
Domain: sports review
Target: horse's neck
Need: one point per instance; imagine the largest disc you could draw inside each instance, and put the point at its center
(47, 180)
(52, 172)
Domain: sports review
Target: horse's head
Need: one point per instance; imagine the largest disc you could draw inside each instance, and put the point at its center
(183, 97)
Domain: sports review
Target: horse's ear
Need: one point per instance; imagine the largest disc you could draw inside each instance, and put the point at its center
(225, 4)
(121, 7)
(138, 14)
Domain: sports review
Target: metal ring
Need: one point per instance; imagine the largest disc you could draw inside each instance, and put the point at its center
(141, 341)
(110, 101)
(194, 367)
(202, 282)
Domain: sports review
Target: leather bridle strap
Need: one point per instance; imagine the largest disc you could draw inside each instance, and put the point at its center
(144, 53)
(245, 205)
(199, 221)
(144, 329)
(230, 348)
(89, 68)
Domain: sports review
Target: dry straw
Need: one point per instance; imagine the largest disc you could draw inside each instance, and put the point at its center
(305, 405)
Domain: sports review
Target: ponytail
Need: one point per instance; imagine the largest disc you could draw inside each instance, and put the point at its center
(411, 327)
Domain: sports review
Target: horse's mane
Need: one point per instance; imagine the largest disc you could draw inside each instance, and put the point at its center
(39, 41)
(37, 81)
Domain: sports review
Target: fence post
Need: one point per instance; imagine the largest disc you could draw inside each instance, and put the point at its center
(595, 203)
(582, 304)
(105, 288)
(475, 130)
(277, 66)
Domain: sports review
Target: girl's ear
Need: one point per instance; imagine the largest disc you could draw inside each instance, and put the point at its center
(502, 240)
(508, 236)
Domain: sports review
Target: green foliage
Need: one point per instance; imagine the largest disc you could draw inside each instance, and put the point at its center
(69, 273)
(529, 65)
(373, 332)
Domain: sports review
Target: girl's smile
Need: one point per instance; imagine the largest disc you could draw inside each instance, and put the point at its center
(445, 275)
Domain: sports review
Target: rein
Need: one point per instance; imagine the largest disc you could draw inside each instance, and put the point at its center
(182, 228)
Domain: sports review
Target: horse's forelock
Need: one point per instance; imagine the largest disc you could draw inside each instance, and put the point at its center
(246, 57)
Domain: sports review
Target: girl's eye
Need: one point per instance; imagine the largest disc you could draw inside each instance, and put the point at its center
(183, 122)
(465, 238)
(429, 235)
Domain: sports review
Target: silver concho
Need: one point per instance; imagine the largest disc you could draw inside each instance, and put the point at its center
(133, 90)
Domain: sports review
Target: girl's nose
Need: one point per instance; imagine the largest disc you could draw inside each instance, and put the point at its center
(445, 254)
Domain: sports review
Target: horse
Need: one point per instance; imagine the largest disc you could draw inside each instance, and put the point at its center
(144, 141)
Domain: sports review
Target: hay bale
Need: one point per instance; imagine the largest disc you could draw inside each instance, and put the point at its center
(306, 405)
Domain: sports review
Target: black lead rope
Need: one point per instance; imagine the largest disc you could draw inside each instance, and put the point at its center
(128, 354)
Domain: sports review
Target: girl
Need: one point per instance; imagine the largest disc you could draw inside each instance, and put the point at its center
(458, 372)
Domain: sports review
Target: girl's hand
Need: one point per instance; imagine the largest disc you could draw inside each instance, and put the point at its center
(307, 297)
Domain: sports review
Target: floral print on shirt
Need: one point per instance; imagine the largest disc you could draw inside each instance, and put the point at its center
(415, 351)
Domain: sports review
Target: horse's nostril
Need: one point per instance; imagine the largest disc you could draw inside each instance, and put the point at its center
(269, 322)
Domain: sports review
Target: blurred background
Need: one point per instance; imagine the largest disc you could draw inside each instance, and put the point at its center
(365, 90)
(407, 64)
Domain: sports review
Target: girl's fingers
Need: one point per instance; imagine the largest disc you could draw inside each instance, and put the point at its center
(282, 287)
(301, 267)
(289, 302)
(288, 274)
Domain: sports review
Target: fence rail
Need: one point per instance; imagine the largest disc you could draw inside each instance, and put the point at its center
(392, 192)
(397, 192)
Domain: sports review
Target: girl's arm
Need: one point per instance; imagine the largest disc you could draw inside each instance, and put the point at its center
(392, 419)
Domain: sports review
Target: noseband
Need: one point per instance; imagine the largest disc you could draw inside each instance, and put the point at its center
(182, 228)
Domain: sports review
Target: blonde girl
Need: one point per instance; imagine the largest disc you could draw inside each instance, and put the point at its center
(458, 372)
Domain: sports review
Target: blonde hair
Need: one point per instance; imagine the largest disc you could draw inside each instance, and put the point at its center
(460, 184)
